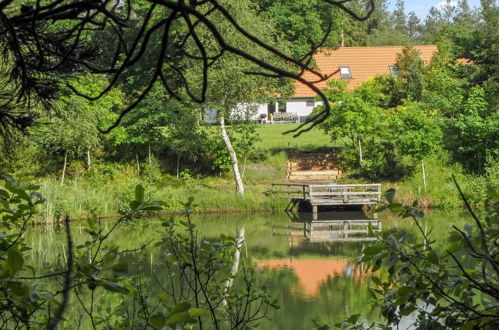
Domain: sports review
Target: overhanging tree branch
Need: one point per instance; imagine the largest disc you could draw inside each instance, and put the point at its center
(46, 43)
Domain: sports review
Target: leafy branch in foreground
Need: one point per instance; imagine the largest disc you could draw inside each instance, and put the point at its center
(196, 282)
(428, 286)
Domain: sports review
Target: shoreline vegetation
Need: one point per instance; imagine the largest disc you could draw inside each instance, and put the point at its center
(98, 192)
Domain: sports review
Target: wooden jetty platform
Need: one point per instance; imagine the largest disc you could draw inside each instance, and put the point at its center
(333, 194)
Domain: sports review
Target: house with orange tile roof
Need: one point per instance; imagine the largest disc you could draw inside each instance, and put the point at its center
(354, 64)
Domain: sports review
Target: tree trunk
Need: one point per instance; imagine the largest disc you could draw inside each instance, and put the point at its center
(178, 165)
(89, 161)
(244, 167)
(233, 157)
(64, 167)
(138, 164)
(360, 151)
(423, 173)
(235, 264)
(149, 153)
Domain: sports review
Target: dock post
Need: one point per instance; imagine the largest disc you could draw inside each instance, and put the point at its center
(346, 227)
(314, 211)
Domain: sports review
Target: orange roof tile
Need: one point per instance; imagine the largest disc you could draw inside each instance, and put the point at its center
(364, 63)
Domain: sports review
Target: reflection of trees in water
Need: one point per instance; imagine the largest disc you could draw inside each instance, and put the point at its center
(349, 249)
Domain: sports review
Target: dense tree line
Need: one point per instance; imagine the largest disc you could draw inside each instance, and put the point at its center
(151, 93)
(171, 129)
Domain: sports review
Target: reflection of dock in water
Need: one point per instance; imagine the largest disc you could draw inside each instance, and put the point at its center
(340, 230)
(333, 227)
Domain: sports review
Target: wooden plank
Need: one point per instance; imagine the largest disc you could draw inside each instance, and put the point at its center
(326, 172)
(290, 184)
(341, 185)
(287, 191)
(349, 239)
(333, 202)
(343, 193)
(329, 223)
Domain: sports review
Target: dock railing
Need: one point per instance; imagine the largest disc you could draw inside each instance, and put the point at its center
(292, 190)
(331, 194)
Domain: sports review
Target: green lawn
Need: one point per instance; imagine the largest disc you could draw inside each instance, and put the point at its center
(272, 137)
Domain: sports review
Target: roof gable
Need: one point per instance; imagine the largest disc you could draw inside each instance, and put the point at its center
(364, 63)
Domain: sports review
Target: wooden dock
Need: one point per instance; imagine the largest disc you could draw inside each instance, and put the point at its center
(329, 194)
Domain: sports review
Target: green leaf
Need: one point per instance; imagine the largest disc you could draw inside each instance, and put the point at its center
(152, 208)
(390, 195)
(91, 224)
(139, 193)
(406, 311)
(114, 287)
(134, 205)
(182, 307)
(177, 318)
(120, 267)
(4, 194)
(353, 319)
(372, 250)
(376, 280)
(433, 257)
(15, 261)
(158, 320)
(198, 312)
(405, 291)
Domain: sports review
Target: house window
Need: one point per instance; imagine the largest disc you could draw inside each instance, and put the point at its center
(310, 103)
(271, 107)
(282, 106)
(345, 72)
(394, 71)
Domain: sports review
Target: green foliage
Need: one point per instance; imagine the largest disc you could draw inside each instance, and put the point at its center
(96, 267)
(473, 133)
(301, 23)
(388, 142)
(415, 134)
(454, 286)
(75, 130)
(410, 68)
(18, 202)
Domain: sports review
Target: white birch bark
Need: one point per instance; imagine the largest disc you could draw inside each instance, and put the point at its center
(89, 160)
(423, 173)
(64, 167)
(233, 157)
(235, 264)
(360, 151)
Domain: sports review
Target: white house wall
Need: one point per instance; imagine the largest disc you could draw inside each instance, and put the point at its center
(299, 106)
(256, 111)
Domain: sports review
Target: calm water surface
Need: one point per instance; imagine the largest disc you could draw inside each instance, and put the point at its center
(310, 280)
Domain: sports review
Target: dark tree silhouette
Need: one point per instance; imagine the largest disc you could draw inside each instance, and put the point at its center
(44, 43)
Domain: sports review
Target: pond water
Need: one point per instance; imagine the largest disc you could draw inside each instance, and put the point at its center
(309, 280)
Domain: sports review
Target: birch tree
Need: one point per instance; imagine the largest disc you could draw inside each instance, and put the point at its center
(232, 91)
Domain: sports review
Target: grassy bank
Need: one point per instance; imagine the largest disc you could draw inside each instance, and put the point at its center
(273, 138)
(96, 194)
(100, 193)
